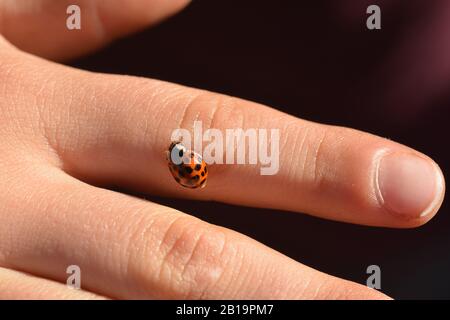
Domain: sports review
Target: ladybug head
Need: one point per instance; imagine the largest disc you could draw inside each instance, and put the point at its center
(176, 152)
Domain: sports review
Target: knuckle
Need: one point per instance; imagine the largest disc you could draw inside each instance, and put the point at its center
(213, 110)
(318, 157)
(193, 260)
(310, 152)
(228, 112)
(298, 147)
(174, 255)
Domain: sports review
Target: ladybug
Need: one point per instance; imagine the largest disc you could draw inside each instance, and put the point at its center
(187, 167)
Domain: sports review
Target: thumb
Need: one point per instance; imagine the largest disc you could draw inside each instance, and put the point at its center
(39, 26)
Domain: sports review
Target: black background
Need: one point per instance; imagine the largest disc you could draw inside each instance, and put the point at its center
(299, 57)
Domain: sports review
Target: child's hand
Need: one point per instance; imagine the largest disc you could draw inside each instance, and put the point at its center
(64, 133)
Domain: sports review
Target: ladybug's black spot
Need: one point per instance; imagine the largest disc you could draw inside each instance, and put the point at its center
(203, 173)
(188, 170)
(198, 167)
(180, 173)
(196, 177)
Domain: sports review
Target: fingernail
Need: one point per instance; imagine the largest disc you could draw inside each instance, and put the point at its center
(409, 185)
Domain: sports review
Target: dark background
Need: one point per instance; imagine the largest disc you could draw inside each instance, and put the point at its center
(318, 61)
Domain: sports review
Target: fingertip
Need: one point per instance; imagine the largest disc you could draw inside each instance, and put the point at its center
(328, 287)
(46, 32)
(139, 14)
(409, 186)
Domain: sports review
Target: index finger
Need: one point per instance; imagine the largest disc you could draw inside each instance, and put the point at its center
(116, 129)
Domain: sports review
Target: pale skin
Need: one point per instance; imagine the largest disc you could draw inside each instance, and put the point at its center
(66, 134)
